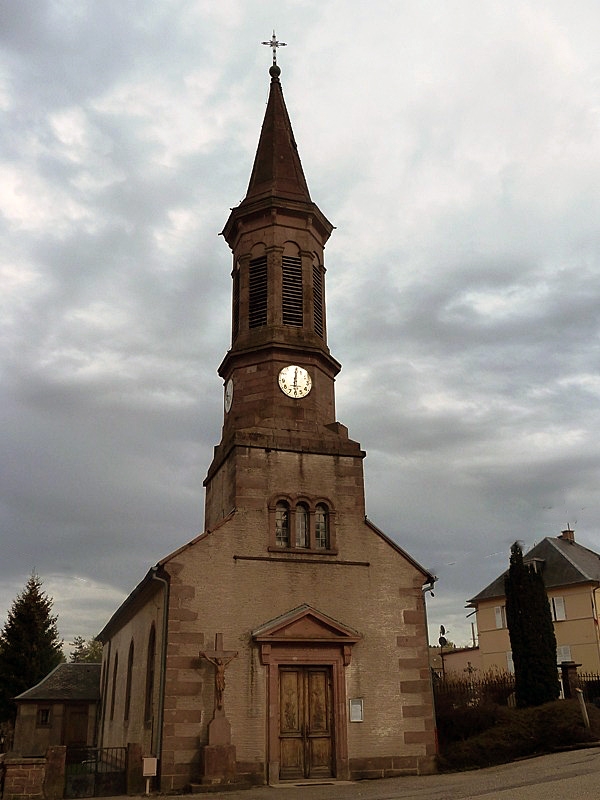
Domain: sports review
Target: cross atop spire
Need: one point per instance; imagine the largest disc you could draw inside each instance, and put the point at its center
(273, 43)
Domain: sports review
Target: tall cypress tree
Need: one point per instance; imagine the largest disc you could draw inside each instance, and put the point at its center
(29, 645)
(531, 633)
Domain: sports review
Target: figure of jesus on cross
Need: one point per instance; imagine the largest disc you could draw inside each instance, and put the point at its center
(220, 659)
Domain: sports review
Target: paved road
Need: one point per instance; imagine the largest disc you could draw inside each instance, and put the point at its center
(574, 775)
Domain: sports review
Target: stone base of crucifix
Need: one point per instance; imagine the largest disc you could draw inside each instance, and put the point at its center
(219, 756)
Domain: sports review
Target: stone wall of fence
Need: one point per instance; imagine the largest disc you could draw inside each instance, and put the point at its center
(43, 778)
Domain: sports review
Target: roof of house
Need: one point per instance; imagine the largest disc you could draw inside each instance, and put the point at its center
(79, 681)
(563, 563)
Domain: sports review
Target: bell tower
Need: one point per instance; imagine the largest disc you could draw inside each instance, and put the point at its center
(278, 374)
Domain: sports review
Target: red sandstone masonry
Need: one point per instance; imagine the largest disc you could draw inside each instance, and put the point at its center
(412, 617)
(410, 663)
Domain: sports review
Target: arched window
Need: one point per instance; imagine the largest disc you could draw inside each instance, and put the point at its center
(150, 675)
(322, 527)
(282, 524)
(114, 686)
(128, 684)
(302, 525)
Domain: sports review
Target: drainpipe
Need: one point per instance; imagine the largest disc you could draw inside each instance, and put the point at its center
(163, 662)
(428, 588)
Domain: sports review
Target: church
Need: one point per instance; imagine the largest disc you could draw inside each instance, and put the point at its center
(286, 642)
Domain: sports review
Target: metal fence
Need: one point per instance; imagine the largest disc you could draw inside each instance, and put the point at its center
(459, 692)
(95, 772)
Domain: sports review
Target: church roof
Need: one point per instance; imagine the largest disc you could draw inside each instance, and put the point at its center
(79, 681)
(562, 562)
(277, 171)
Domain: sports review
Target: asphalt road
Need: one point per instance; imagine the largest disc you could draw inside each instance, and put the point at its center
(573, 775)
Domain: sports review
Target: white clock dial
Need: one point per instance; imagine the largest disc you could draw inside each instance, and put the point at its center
(228, 394)
(295, 381)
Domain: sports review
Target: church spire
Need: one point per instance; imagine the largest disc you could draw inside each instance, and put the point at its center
(277, 171)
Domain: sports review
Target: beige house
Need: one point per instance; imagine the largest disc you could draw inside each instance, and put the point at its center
(288, 640)
(571, 575)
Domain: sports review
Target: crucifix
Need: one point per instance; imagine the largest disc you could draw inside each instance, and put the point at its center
(220, 659)
(274, 44)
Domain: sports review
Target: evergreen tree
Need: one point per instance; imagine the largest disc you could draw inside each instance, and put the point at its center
(531, 633)
(90, 650)
(29, 645)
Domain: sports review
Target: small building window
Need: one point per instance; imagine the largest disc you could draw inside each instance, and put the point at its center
(322, 527)
(510, 664)
(282, 525)
(43, 717)
(302, 525)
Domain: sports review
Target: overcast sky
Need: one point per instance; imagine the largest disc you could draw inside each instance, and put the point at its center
(455, 146)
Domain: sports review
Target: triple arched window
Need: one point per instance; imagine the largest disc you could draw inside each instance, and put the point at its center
(301, 525)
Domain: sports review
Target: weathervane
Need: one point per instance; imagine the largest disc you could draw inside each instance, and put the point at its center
(273, 43)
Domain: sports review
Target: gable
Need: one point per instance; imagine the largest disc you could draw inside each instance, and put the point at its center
(305, 624)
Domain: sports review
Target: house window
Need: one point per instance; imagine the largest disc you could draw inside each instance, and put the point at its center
(302, 525)
(500, 612)
(563, 653)
(510, 665)
(128, 683)
(43, 718)
(282, 525)
(557, 606)
(321, 527)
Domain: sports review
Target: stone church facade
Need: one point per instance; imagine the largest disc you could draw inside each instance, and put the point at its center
(288, 640)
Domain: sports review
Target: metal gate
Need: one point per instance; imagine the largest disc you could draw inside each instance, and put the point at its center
(95, 771)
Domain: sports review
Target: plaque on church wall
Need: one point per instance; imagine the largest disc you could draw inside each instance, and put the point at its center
(356, 710)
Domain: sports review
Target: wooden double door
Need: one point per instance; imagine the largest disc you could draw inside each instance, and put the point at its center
(305, 722)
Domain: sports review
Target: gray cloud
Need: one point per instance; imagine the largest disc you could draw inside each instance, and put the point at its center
(456, 150)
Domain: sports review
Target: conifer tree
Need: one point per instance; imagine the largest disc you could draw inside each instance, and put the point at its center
(86, 650)
(531, 631)
(29, 645)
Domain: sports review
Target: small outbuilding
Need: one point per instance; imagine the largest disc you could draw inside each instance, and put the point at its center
(60, 710)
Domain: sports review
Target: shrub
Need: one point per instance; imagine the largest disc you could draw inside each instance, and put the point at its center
(515, 733)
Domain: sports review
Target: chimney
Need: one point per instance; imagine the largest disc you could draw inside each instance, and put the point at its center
(568, 535)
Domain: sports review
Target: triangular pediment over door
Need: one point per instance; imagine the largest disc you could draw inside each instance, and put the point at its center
(305, 626)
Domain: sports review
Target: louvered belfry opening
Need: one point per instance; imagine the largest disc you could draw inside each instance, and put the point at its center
(258, 292)
(236, 301)
(318, 296)
(292, 308)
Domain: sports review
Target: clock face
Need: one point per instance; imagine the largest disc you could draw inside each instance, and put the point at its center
(295, 381)
(228, 394)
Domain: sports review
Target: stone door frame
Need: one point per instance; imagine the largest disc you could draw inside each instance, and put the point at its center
(305, 638)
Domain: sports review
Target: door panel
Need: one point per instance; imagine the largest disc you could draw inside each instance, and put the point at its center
(305, 734)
